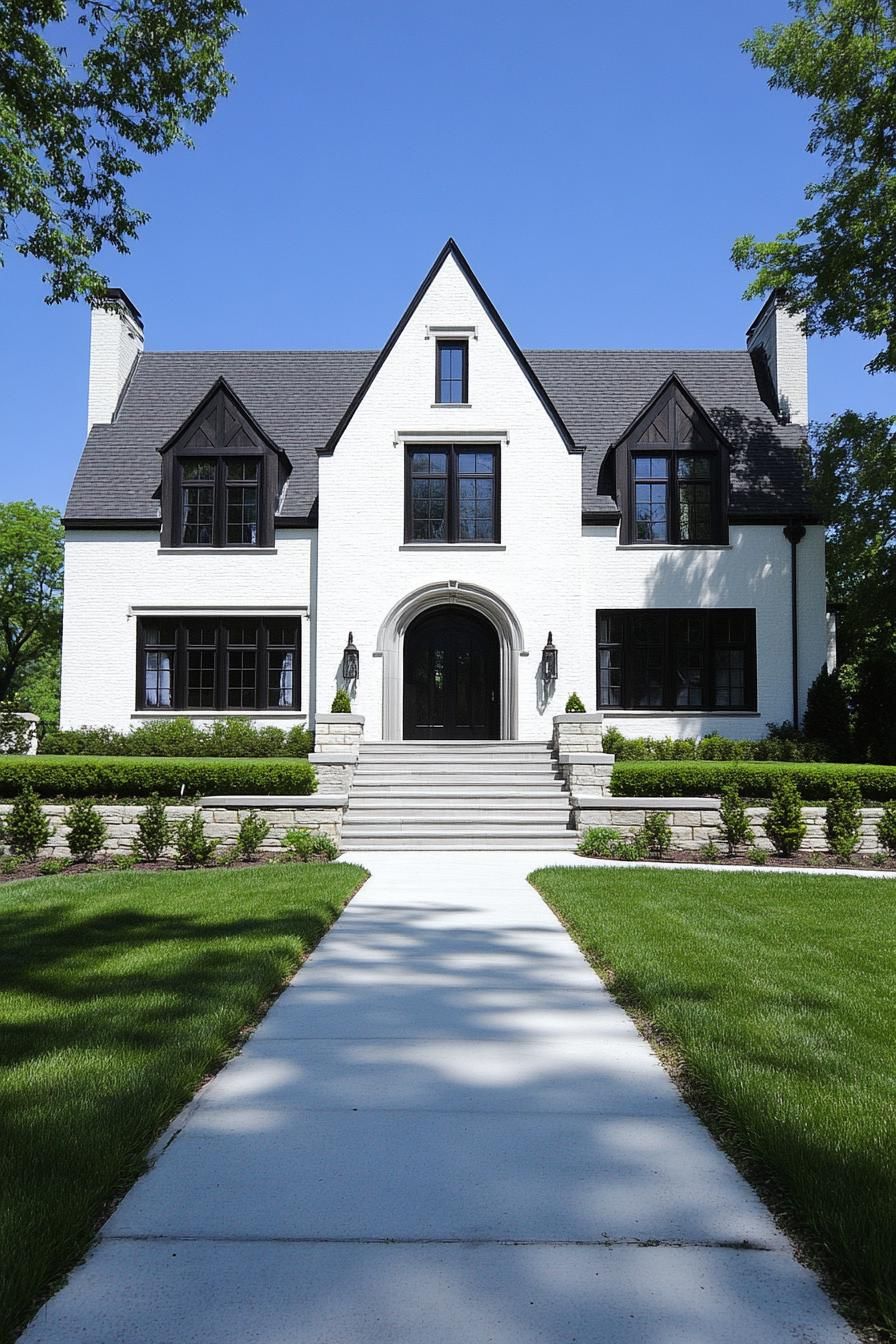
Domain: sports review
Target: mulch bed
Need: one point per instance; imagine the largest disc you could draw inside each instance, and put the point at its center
(167, 865)
(807, 859)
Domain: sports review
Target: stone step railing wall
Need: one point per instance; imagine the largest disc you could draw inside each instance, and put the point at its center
(337, 744)
(578, 746)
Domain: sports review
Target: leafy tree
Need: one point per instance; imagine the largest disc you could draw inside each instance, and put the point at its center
(73, 131)
(836, 264)
(827, 715)
(854, 475)
(30, 589)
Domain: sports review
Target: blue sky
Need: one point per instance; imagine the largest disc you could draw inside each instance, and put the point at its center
(594, 162)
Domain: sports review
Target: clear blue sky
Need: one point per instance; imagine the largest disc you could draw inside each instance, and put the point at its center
(594, 162)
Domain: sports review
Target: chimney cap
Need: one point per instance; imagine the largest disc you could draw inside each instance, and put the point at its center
(113, 297)
(777, 299)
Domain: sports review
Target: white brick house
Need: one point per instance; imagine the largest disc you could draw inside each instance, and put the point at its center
(449, 501)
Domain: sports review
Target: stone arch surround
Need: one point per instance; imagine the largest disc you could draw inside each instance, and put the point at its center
(390, 647)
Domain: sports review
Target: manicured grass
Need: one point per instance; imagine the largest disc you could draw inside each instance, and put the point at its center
(778, 994)
(119, 992)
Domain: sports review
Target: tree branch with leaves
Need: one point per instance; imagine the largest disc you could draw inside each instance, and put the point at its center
(73, 132)
(31, 559)
(837, 264)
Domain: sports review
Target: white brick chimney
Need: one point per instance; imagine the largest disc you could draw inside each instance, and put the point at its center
(116, 339)
(780, 336)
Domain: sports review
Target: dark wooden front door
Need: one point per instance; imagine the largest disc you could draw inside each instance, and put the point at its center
(451, 675)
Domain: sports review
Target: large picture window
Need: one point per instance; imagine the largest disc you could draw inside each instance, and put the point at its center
(212, 664)
(676, 660)
(451, 494)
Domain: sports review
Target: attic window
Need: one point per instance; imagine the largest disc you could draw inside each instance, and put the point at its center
(451, 372)
(673, 474)
(220, 479)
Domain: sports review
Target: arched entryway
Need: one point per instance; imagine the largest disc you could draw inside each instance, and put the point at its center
(451, 676)
(450, 593)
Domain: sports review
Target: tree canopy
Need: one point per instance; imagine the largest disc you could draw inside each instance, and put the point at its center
(31, 558)
(854, 472)
(73, 131)
(837, 264)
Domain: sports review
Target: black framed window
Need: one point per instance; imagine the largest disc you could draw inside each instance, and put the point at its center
(674, 497)
(452, 358)
(211, 664)
(676, 660)
(452, 494)
(219, 500)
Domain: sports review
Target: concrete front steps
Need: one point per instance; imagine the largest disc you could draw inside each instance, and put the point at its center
(457, 795)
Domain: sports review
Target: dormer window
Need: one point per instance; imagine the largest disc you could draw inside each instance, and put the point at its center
(673, 474)
(451, 372)
(220, 479)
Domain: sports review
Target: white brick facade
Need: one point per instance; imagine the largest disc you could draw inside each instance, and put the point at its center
(356, 572)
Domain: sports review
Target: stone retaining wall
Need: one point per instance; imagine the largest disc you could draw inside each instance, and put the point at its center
(695, 821)
(221, 822)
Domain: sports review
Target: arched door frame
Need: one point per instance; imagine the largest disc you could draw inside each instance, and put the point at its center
(390, 647)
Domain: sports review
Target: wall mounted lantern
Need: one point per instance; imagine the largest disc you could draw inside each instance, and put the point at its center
(351, 663)
(549, 660)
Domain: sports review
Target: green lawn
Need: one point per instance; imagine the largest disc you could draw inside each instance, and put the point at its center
(778, 994)
(119, 992)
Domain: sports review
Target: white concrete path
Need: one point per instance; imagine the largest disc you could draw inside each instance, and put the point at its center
(444, 1132)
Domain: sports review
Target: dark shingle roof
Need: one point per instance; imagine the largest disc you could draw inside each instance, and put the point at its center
(298, 397)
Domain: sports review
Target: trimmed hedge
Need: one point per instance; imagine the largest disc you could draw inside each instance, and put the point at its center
(754, 779)
(114, 778)
(180, 737)
(713, 747)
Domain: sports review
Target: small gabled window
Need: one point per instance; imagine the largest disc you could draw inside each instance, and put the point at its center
(673, 475)
(451, 372)
(220, 479)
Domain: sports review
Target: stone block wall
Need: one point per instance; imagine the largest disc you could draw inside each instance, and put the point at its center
(221, 823)
(695, 821)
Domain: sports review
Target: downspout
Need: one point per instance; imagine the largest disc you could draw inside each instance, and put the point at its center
(794, 532)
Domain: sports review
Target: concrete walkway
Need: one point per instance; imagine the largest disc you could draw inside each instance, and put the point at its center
(444, 1132)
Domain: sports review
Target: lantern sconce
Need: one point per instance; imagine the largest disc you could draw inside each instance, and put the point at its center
(351, 663)
(549, 660)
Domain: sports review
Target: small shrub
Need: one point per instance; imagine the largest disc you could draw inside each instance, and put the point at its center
(843, 818)
(784, 823)
(709, 852)
(123, 861)
(253, 831)
(226, 857)
(192, 847)
(658, 833)
(814, 859)
(341, 703)
(325, 847)
(50, 867)
(299, 844)
(597, 842)
(153, 831)
(27, 829)
(757, 856)
(9, 863)
(878, 859)
(298, 742)
(635, 848)
(574, 705)
(613, 741)
(87, 832)
(733, 819)
(886, 828)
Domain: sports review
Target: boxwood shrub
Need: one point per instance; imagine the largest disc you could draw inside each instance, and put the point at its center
(122, 778)
(180, 737)
(754, 779)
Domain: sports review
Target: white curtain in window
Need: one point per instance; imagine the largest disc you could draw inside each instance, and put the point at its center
(285, 681)
(158, 681)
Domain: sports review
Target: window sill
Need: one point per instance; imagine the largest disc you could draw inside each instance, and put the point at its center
(451, 405)
(691, 713)
(674, 546)
(452, 546)
(219, 714)
(217, 550)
